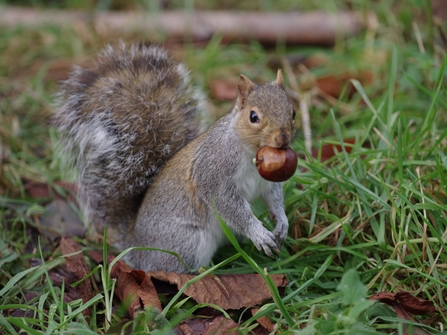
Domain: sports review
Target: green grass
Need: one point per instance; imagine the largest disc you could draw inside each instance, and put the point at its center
(371, 220)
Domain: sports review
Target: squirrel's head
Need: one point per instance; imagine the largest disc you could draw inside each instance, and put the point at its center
(265, 114)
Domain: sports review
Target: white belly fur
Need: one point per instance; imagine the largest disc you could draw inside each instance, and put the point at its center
(249, 182)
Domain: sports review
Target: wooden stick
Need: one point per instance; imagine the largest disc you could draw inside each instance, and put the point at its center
(317, 28)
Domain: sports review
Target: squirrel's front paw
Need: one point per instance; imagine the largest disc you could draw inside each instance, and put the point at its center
(280, 233)
(265, 241)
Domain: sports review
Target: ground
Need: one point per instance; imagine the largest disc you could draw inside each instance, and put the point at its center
(367, 206)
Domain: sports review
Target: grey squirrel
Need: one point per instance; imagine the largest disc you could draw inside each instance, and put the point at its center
(132, 127)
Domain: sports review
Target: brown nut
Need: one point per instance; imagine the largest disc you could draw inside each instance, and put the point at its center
(276, 164)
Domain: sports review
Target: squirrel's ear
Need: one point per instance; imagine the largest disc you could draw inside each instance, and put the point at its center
(244, 87)
(279, 79)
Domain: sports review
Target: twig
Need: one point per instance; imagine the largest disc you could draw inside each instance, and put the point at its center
(317, 28)
(417, 33)
(304, 99)
(424, 236)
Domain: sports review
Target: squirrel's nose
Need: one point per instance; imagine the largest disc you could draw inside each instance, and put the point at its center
(282, 139)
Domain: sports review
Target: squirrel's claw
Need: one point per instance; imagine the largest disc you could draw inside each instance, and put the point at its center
(268, 251)
(265, 241)
(280, 232)
(278, 244)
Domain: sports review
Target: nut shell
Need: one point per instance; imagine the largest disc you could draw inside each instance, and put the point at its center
(276, 164)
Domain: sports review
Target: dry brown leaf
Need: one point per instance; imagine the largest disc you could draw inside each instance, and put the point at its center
(334, 85)
(406, 301)
(439, 9)
(328, 150)
(226, 291)
(43, 190)
(413, 304)
(136, 290)
(118, 267)
(216, 326)
(97, 257)
(385, 297)
(224, 89)
(133, 287)
(78, 266)
(403, 314)
(264, 321)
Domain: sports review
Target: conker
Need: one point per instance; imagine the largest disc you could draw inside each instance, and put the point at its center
(276, 164)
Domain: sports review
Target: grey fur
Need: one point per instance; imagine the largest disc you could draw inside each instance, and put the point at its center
(120, 123)
(121, 159)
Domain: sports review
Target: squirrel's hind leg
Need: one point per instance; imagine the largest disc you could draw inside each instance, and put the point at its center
(194, 244)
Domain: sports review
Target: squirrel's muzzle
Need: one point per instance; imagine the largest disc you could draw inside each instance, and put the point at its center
(282, 139)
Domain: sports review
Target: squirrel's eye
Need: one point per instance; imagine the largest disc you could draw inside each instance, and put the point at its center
(293, 114)
(254, 117)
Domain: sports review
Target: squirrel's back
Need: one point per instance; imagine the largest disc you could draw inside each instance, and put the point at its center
(120, 123)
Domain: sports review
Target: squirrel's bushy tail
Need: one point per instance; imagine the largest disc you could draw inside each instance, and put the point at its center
(119, 123)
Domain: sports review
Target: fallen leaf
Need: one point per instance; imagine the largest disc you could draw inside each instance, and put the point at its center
(264, 321)
(333, 85)
(329, 150)
(408, 329)
(407, 301)
(413, 304)
(226, 291)
(61, 275)
(133, 287)
(30, 295)
(118, 267)
(385, 297)
(136, 290)
(215, 326)
(224, 89)
(97, 257)
(401, 312)
(78, 266)
(439, 9)
(20, 313)
(37, 189)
